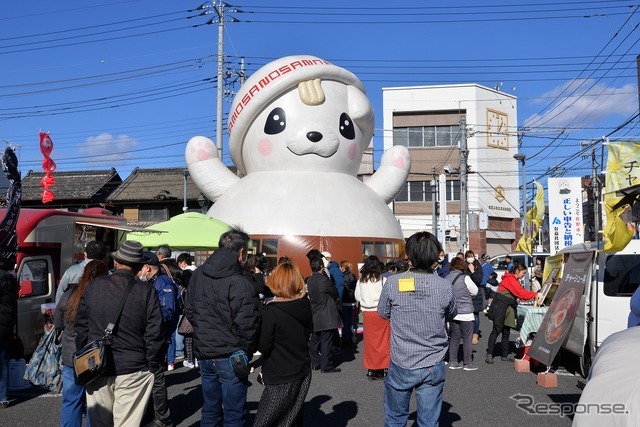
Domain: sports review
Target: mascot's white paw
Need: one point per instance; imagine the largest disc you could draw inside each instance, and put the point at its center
(199, 149)
(398, 157)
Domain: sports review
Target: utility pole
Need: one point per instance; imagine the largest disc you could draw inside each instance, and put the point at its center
(220, 12)
(463, 238)
(442, 233)
(595, 188)
(434, 203)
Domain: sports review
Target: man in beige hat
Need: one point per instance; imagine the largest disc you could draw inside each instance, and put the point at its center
(120, 396)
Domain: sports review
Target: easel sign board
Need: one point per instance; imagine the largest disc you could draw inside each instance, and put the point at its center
(564, 306)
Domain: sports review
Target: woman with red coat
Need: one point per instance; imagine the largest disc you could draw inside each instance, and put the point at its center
(502, 310)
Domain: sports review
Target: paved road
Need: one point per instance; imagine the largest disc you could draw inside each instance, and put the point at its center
(479, 398)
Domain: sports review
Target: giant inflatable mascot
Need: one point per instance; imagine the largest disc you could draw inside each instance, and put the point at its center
(298, 130)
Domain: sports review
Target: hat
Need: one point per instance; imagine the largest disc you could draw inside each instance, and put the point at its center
(130, 253)
(634, 316)
(326, 254)
(153, 258)
(268, 83)
(485, 256)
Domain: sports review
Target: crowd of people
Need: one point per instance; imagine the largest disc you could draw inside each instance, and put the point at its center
(234, 308)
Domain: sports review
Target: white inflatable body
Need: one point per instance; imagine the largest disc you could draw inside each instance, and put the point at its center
(298, 129)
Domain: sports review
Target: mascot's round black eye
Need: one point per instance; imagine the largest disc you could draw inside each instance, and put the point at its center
(346, 126)
(276, 122)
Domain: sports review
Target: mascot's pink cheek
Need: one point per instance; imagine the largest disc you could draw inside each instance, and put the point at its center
(265, 147)
(352, 151)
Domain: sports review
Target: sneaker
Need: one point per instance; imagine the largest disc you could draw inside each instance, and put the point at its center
(508, 358)
(470, 367)
(4, 404)
(489, 359)
(188, 364)
(179, 357)
(455, 365)
(474, 339)
(196, 362)
(170, 367)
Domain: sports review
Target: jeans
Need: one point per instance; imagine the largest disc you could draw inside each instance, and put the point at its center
(222, 391)
(4, 370)
(73, 400)
(171, 351)
(476, 323)
(398, 387)
(179, 341)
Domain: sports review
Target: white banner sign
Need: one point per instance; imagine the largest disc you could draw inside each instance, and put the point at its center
(565, 213)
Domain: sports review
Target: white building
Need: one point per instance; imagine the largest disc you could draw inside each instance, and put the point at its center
(427, 120)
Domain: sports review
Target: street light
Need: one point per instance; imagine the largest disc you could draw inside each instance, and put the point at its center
(521, 158)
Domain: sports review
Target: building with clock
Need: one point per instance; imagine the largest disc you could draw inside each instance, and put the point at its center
(432, 122)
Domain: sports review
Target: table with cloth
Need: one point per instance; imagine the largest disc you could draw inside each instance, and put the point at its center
(529, 319)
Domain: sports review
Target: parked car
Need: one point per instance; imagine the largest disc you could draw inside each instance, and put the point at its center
(499, 262)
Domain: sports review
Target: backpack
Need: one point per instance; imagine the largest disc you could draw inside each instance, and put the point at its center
(170, 300)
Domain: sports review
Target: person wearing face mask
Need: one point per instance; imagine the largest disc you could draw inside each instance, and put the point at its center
(503, 309)
(475, 272)
(224, 309)
(443, 265)
(169, 297)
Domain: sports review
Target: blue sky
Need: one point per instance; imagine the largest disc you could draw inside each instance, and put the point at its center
(127, 83)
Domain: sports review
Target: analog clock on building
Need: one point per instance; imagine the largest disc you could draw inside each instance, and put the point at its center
(497, 129)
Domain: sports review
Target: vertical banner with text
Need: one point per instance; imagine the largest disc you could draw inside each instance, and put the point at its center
(564, 306)
(565, 213)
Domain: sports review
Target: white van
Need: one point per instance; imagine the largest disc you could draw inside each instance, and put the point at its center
(605, 305)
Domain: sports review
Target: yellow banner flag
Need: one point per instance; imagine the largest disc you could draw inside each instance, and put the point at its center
(532, 222)
(623, 165)
(616, 233)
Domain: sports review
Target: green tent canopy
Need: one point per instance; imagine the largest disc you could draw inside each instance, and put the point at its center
(187, 231)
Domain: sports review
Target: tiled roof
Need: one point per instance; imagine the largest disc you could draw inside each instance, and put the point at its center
(73, 185)
(155, 184)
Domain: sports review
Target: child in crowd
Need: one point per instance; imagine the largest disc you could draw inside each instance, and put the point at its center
(492, 287)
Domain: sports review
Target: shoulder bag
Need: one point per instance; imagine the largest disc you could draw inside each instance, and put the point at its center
(90, 362)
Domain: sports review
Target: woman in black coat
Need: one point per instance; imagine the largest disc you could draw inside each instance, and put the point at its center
(284, 335)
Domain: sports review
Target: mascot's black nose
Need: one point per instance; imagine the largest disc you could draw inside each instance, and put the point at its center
(314, 136)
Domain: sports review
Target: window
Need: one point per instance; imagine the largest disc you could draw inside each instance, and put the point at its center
(385, 251)
(33, 279)
(420, 191)
(153, 214)
(621, 275)
(427, 136)
(268, 247)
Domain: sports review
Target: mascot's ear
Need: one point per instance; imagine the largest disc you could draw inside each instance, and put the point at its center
(361, 111)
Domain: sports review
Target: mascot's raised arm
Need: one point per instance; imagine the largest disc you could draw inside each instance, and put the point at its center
(298, 130)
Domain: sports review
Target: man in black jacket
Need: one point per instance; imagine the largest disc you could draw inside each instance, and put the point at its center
(326, 317)
(8, 313)
(120, 396)
(224, 310)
